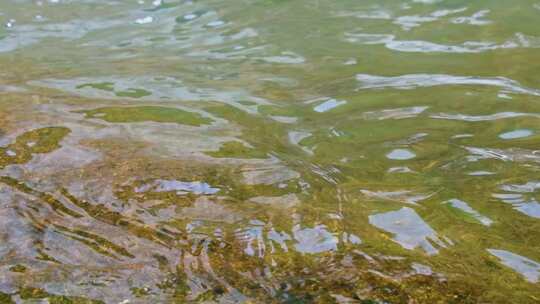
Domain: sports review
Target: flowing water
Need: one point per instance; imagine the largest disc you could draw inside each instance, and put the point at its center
(269, 151)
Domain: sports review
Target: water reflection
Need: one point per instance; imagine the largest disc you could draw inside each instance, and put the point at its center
(516, 134)
(402, 196)
(526, 267)
(399, 113)
(401, 154)
(409, 230)
(314, 240)
(519, 199)
(420, 46)
(176, 151)
(329, 105)
(427, 80)
(474, 118)
(178, 186)
(463, 206)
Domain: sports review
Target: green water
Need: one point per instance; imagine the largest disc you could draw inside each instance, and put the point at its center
(270, 151)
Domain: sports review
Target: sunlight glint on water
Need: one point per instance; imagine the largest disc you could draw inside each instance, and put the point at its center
(176, 151)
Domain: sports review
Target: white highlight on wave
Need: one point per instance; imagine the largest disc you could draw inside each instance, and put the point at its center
(421, 46)
(411, 81)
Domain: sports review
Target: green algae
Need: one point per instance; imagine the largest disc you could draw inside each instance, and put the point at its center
(18, 268)
(275, 133)
(6, 298)
(133, 93)
(38, 141)
(104, 86)
(111, 217)
(47, 198)
(323, 278)
(110, 87)
(140, 292)
(247, 102)
(165, 199)
(30, 293)
(96, 242)
(235, 149)
(348, 155)
(365, 172)
(99, 212)
(147, 113)
(462, 215)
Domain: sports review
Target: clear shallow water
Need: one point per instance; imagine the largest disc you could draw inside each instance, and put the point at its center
(269, 151)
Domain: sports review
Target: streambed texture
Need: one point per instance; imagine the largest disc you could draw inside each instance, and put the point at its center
(266, 151)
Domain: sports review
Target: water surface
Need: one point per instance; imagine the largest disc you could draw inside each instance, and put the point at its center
(267, 151)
